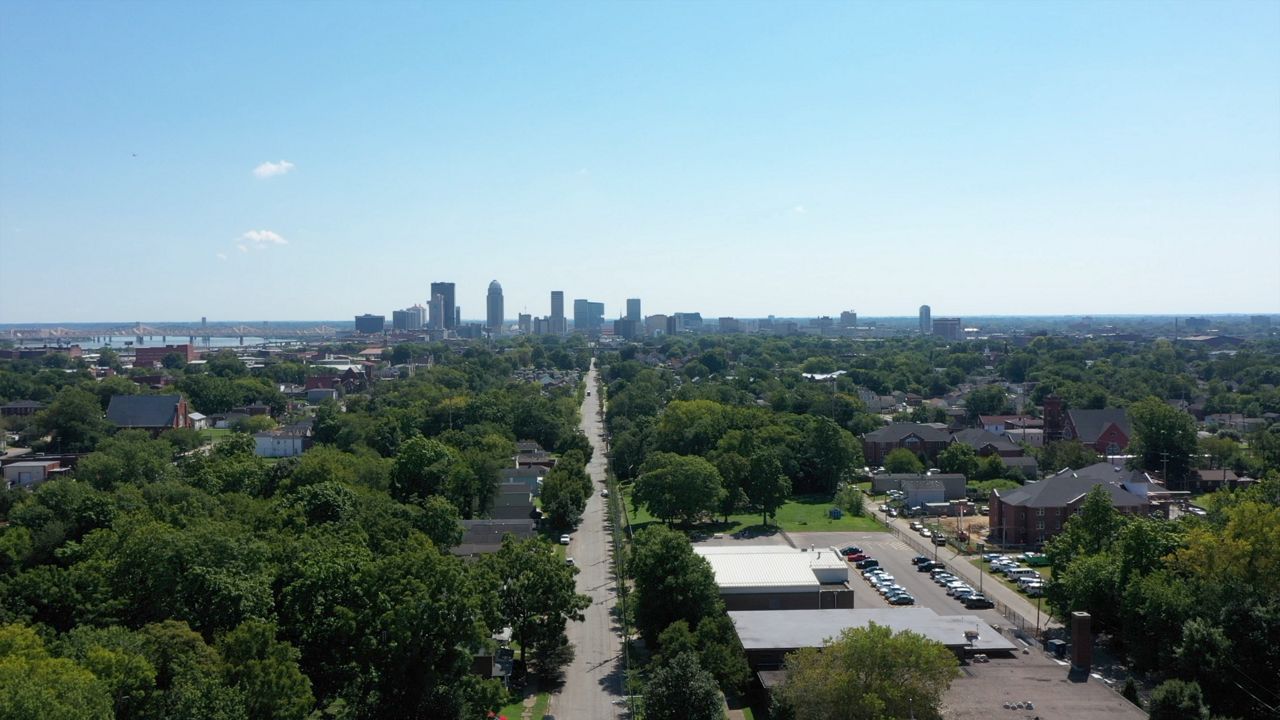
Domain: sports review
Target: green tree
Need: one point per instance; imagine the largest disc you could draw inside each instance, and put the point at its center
(536, 596)
(1064, 454)
(902, 460)
(75, 419)
(1178, 700)
(129, 457)
(767, 487)
(987, 400)
(563, 500)
(678, 487)
(868, 674)
(1164, 438)
(671, 582)
(959, 458)
(36, 686)
(421, 468)
(825, 455)
(681, 690)
(266, 671)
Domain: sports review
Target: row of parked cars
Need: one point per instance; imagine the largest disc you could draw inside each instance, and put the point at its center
(955, 587)
(877, 577)
(1028, 580)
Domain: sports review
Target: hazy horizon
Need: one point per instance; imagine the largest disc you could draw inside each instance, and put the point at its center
(327, 160)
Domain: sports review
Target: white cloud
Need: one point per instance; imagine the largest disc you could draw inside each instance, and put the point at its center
(264, 237)
(242, 247)
(221, 256)
(799, 210)
(271, 169)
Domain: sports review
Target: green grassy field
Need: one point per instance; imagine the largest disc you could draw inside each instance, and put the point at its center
(802, 514)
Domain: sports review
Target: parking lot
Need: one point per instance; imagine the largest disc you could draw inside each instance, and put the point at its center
(895, 557)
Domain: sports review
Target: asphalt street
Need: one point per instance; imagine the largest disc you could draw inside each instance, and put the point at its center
(592, 688)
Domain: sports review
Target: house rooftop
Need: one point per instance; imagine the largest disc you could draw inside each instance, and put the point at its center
(143, 411)
(1066, 486)
(793, 629)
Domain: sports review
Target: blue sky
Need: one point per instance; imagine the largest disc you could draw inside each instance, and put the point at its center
(730, 158)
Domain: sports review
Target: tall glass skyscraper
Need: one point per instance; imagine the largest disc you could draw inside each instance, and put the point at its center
(493, 308)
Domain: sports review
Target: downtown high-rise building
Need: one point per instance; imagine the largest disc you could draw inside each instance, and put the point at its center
(493, 308)
(448, 306)
(557, 320)
(926, 320)
(588, 316)
(633, 310)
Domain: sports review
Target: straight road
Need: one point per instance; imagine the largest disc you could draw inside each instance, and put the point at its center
(593, 682)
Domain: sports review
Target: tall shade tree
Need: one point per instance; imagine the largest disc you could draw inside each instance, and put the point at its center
(679, 487)
(1164, 438)
(869, 674)
(902, 460)
(75, 420)
(536, 594)
(681, 690)
(672, 582)
(767, 486)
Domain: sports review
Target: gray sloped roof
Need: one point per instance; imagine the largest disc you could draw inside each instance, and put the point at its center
(1090, 423)
(897, 431)
(143, 411)
(1060, 489)
(978, 438)
(917, 484)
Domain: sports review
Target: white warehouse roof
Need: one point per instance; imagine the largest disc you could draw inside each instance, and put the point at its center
(747, 568)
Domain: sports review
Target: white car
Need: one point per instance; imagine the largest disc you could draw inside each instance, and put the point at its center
(564, 539)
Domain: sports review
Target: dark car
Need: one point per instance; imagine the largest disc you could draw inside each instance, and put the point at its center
(902, 599)
(919, 559)
(977, 602)
(850, 550)
(867, 563)
(929, 566)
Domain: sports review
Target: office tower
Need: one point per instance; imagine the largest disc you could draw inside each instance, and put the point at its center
(370, 324)
(524, 321)
(948, 328)
(493, 308)
(449, 308)
(409, 319)
(633, 309)
(926, 322)
(588, 316)
(848, 319)
(457, 316)
(435, 316)
(558, 326)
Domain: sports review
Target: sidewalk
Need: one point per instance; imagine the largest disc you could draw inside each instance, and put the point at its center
(1008, 601)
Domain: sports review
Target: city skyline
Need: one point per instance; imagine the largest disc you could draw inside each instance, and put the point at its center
(1044, 159)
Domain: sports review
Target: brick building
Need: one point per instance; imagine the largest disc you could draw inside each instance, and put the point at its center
(1035, 512)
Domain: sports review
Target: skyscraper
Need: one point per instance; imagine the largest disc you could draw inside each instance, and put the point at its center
(588, 316)
(633, 309)
(558, 326)
(448, 306)
(493, 308)
(435, 314)
(926, 321)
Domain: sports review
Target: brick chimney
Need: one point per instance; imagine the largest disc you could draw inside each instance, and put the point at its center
(1081, 641)
(1053, 420)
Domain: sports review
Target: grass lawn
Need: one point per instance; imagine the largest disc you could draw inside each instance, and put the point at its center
(806, 513)
(214, 434)
(515, 710)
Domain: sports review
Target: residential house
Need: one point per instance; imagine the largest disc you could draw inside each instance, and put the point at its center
(513, 502)
(1107, 431)
(21, 408)
(1035, 512)
(154, 413)
(484, 536)
(1211, 480)
(924, 439)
